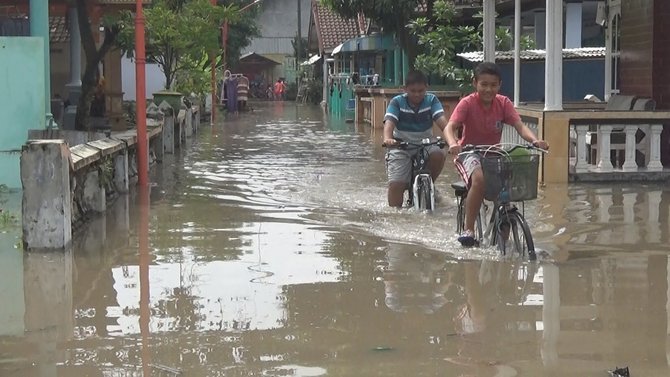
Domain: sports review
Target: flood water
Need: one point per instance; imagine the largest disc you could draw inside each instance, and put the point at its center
(268, 250)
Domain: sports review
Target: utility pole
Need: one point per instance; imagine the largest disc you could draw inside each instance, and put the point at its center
(299, 44)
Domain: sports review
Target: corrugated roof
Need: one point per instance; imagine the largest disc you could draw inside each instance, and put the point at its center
(331, 28)
(271, 45)
(568, 53)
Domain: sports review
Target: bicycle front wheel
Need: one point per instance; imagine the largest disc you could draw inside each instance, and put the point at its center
(515, 236)
(425, 194)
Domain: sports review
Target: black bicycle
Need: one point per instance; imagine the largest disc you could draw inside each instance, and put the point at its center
(422, 189)
(509, 177)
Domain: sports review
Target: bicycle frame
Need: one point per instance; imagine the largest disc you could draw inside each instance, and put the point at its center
(420, 174)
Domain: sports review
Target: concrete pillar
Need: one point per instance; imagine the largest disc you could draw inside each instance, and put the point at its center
(39, 27)
(655, 152)
(188, 121)
(47, 205)
(489, 36)
(541, 30)
(630, 164)
(74, 86)
(121, 172)
(553, 87)
(168, 134)
(94, 196)
(573, 25)
(581, 165)
(517, 52)
(604, 148)
(324, 100)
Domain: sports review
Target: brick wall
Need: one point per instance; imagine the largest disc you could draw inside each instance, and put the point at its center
(637, 30)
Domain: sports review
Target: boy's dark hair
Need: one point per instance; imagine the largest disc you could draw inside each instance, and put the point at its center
(487, 68)
(415, 77)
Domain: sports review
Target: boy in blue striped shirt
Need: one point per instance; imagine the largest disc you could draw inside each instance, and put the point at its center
(410, 117)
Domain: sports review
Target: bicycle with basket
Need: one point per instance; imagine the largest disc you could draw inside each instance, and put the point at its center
(511, 176)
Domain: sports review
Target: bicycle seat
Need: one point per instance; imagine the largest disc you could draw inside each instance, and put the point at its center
(460, 188)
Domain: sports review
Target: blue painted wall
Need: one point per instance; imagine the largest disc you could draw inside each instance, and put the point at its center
(580, 77)
(22, 98)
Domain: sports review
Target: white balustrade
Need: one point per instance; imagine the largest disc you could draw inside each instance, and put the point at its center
(604, 138)
(608, 139)
(655, 148)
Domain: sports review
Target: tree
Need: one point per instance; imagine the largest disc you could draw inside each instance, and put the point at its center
(304, 48)
(241, 31)
(441, 40)
(94, 56)
(178, 33)
(392, 15)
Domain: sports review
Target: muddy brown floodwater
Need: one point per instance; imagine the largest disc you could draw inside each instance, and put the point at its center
(268, 251)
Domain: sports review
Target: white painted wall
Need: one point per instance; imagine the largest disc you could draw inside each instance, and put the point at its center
(154, 78)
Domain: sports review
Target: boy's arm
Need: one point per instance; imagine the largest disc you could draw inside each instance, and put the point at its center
(450, 132)
(442, 122)
(389, 126)
(528, 135)
(391, 118)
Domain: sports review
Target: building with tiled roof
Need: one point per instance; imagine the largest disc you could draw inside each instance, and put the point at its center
(328, 29)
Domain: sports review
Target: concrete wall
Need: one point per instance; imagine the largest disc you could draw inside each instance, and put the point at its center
(154, 78)
(22, 79)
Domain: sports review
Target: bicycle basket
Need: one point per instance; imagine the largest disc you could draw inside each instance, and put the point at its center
(518, 174)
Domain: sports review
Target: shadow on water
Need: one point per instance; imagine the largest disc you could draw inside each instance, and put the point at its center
(266, 249)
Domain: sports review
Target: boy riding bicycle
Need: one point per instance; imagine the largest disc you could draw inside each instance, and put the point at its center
(481, 117)
(410, 117)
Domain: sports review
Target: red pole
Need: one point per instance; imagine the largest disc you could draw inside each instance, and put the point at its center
(144, 261)
(213, 83)
(140, 90)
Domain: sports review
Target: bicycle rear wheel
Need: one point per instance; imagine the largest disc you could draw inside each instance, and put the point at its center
(517, 238)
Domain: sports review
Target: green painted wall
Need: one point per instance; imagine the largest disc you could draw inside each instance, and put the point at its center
(22, 100)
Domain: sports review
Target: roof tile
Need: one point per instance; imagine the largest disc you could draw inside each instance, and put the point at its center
(333, 29)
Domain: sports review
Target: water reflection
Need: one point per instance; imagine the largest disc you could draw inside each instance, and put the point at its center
(266, 250)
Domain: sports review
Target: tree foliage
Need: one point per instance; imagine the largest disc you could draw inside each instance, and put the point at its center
(440, 40)
(179, 32)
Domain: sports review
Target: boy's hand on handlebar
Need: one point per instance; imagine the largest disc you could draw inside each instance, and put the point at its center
(390, 142)
(541, 144)
(455, 149)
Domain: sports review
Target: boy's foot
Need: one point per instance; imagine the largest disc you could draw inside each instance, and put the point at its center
(467, 239)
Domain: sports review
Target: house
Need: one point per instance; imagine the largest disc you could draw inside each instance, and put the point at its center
(44, 59)
(278, 21)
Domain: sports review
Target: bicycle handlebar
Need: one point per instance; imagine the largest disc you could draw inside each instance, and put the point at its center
(467, 149)
(424, 143)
